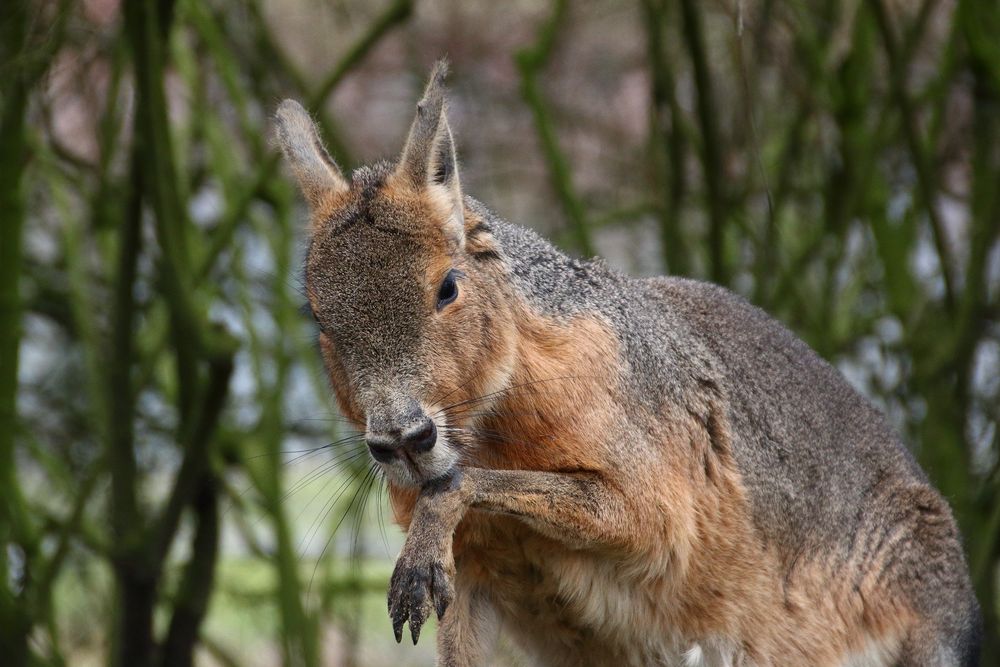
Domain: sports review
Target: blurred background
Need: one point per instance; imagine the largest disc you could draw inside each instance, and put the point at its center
(176, 485)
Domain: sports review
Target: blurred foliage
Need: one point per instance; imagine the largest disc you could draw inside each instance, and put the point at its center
(835, 161)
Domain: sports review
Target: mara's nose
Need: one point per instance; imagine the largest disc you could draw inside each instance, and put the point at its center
(422, 438)
(416, 438)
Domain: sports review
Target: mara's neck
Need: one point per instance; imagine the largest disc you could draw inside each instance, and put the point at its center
(560, 394)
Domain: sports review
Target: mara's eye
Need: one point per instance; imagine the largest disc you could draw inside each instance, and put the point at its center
(448, 291)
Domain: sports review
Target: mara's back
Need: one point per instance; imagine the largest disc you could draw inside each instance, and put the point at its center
(829, 481)
(812, 451)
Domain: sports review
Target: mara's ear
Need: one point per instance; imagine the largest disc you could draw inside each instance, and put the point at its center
(314, 169)
(429, 162)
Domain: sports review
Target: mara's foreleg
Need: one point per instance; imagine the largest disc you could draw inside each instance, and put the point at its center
(576, 508)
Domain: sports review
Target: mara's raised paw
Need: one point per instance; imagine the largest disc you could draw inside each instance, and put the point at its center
(419, 583)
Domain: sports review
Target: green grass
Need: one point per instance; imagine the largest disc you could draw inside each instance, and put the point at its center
(243, 621)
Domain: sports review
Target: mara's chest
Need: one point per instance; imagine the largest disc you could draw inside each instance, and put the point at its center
(578, 607)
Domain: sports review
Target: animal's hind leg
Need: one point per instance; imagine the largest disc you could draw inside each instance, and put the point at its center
(924, 568)
(925, 647)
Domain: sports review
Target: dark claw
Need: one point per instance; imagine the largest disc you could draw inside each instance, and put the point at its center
(441, 587)
(440, 606)
(417, 585)
(418, 598)
(397, 629)
(398, 619)
(397, 608)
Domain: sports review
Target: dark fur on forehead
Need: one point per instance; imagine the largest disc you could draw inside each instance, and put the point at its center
(373, 218)
(360, 204)
(365, 184)
(364, 274)
(369, 178)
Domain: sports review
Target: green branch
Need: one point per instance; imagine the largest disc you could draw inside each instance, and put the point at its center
(669, 144)
(711, 145)
(926, 178)
(24, 58)
(530, 61)
(196, 457)
(191, 602)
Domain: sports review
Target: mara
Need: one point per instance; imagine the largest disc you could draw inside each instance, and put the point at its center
(610, 470)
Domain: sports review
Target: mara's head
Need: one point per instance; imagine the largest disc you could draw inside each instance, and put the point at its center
(406, 288)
